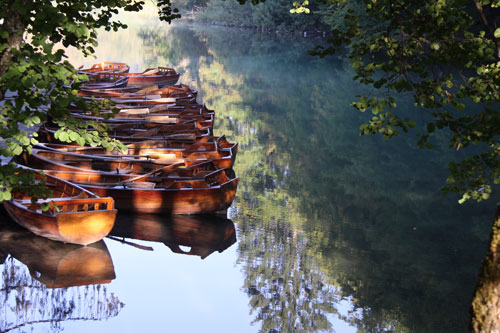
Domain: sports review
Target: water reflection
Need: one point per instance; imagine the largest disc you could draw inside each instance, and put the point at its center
(324, 214)
(57, 264)
(287, 290)
(39, 278)
(198, 235)
(333, 229)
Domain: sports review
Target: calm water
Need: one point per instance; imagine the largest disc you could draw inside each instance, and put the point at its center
(330, 231)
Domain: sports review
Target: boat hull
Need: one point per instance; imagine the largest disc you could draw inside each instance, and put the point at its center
(81, 228)
(159, 80)
(171, 201)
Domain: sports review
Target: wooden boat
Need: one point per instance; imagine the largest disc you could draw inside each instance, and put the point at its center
(127, 110)
(104, 80)
(207, 143)
(133, 90)
(169, 131)
(181, 93)
(222, 157)
(153, 109)
(220, 141)
(153, 120)
(56, 264)
(159, 113)
(75, 216)
(161, 76)
(162, 123)
(150, 115)
(198, 235)
(154, 115)
(143, 101)
(113, 67)
(199, 188)
(131, 164)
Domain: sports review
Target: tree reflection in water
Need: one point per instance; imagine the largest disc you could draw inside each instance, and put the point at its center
(45, 282)
(323, 215)
(287, 291)
(28, 302)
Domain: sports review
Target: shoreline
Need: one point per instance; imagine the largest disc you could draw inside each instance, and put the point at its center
(190, 18)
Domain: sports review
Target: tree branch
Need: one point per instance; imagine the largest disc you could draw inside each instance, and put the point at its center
(484, 20)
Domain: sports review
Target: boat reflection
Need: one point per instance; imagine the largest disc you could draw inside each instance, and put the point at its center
(56, 264)
(198, 235)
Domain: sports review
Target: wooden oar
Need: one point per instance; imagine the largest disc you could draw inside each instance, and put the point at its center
(147, 89)
(123, 241)
(151, 173)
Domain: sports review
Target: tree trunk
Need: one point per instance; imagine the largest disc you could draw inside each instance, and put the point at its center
(15, 27)
(486, 302)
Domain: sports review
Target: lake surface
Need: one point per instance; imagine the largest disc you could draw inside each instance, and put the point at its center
(330, 231)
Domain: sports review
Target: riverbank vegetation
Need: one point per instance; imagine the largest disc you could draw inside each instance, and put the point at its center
(270, 16)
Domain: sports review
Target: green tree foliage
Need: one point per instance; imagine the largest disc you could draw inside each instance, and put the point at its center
(446, 54)
(271, 15)
(37, 84)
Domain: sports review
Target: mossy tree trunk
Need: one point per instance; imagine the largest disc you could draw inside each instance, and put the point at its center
(486, 302)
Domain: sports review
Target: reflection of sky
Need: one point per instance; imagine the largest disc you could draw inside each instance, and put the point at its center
(164, 291)
(178, 292)
(340, 326)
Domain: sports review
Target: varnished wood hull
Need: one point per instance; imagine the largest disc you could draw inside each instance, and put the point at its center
(106, 66)
(160, 76)
(223, 158)
(152, 120)
(180, 92)
(55, 264)
(139, 80)
(81, 217)
(106, 81)
(72, 227)
(53, 160)
(188, 132)
(200, 188)
(171, 201)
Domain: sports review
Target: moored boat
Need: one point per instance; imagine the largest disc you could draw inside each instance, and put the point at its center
(105, 80)
(153, 120)
(106, 66)
(161, 76)
(75, 215)
(199, 188)
(223, 157)
(192, 130)
(123, 164)
(126, 110)
(182, 94)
